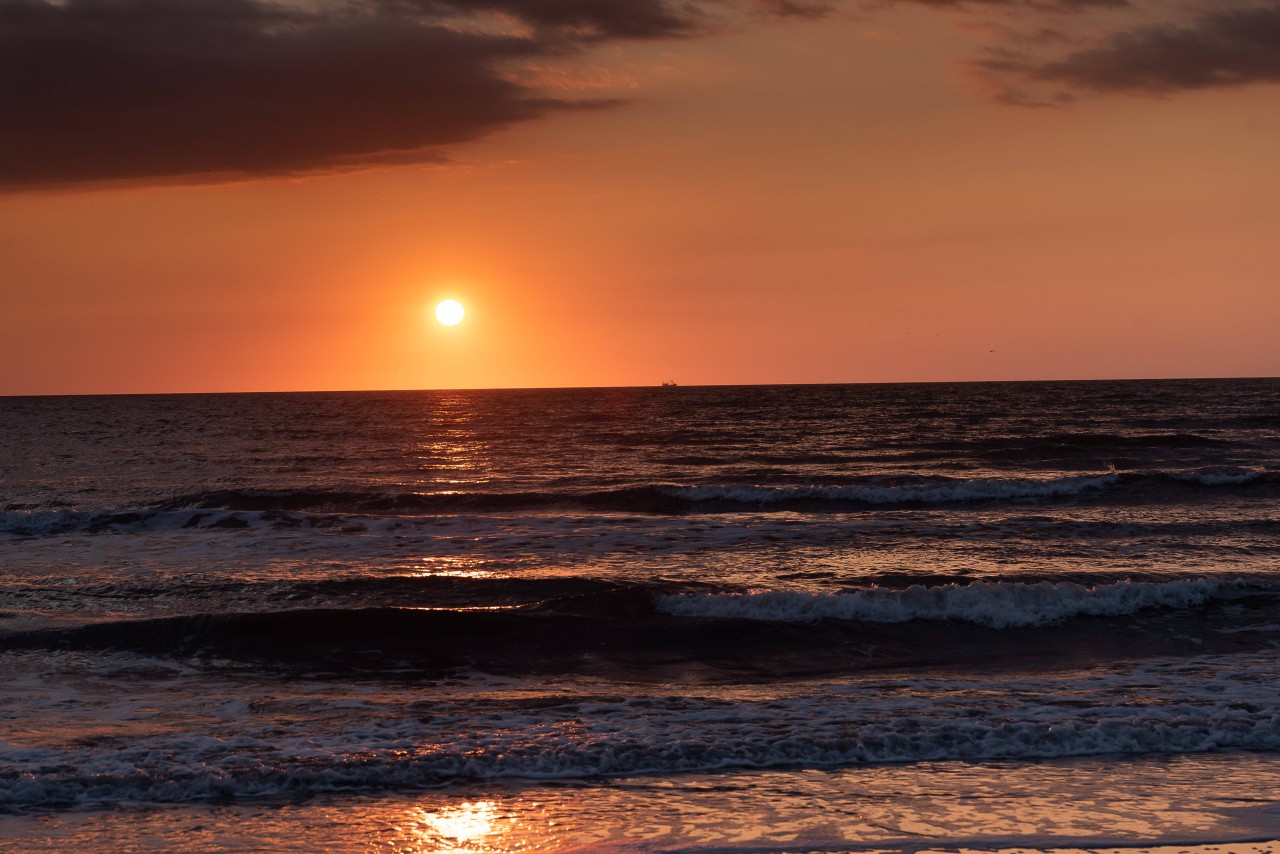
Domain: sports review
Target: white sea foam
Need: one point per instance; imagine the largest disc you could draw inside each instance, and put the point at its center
(31, 523)
(995, 604)
(308, 744)
(975, 489)
(34, 523)
(43, 523)
(1222, 475)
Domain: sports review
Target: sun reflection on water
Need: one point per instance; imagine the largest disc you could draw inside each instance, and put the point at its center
(450, 451)
(453, 566)
(471, 826)
(464, 823)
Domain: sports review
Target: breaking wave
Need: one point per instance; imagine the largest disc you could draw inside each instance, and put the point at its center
(1222, 475)
(627, 629)
(993, 604)
(368, 746)
(235, 508)
(926, 491)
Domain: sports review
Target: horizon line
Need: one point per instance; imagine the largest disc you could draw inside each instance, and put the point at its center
(649, 386)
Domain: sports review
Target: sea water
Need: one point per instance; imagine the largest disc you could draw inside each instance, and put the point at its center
(726, 618)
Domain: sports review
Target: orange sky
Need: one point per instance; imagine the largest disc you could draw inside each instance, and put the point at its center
(846, 195)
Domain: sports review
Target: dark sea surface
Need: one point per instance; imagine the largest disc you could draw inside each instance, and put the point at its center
(457, 613)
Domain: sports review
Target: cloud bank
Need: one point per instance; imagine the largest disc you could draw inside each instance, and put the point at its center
(1236, 44)
(102, 90)
(158, 90)
(1234, 47)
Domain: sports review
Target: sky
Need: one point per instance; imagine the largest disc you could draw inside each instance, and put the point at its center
(240, 195)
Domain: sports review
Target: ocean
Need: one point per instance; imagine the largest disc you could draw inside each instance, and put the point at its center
(806, 618)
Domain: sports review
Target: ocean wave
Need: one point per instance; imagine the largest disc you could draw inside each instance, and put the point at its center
(921, 490)
(41, 523)
(1222, 475)
(217, 508)
(52, 523)
(361, 745)
(658, 497)
(1055, 444)
(996, 605)
(242, 508)
(624, 630)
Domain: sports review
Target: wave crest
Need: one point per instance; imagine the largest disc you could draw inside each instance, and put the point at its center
(927, 492)
(993, 604)
(1222, 475)
(372, 747)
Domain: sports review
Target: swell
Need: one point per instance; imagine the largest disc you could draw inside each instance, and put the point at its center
(1078, 442)
(633, 630)
(1097, 447)
(998, 605)
(192, 596)
(1015, 599)
(218, 508)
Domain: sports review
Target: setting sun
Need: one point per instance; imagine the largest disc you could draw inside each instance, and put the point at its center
(450, 312)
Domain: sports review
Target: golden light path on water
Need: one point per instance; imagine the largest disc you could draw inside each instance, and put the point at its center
(1099, 808)
(1206, 804)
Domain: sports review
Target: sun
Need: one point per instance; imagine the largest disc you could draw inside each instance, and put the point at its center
(450, 312)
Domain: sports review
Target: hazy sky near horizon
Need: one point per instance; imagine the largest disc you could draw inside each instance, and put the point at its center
(222, 195)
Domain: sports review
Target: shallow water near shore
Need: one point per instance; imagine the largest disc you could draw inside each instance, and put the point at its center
(1208, 803)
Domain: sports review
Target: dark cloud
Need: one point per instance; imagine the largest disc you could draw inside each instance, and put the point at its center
(1227, 48)
(797, 8)
(1062, 6)
(101, 90)
(584, 19)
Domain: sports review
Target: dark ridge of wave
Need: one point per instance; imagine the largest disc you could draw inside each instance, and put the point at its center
(49, 523)
(799, 458)
(1090, 441)
(169, 595)
(659, 498)
(1261, 419)
(462, 592)
(997, 604)
(1012, 599)
(719, 636)
(1038, 528)
(220, 507)
(1024, 447)
(359, 502)
(1025, 598)
(876, 490)
(1065, 443)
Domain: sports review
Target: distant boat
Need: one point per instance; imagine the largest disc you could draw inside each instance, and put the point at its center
(668, 383)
